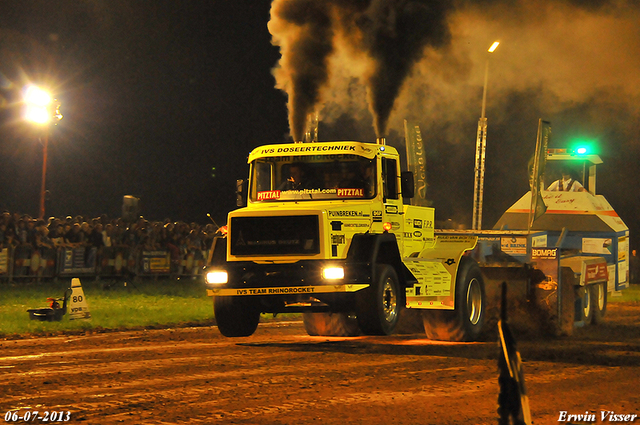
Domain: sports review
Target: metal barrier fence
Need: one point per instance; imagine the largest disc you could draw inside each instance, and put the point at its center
(25, 262)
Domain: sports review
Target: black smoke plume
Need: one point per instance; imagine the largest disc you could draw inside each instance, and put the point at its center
(391, 36)
(303, 30)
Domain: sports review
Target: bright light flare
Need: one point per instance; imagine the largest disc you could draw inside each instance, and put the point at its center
(37, 101)
(36, 96)
(333, 273)
(217, 277)
(37, 114)
(494, 46)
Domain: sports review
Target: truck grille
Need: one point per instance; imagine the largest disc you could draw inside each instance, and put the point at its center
(292, 234)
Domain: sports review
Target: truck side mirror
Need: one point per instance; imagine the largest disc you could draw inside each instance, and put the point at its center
(241, 192)
(407, 184)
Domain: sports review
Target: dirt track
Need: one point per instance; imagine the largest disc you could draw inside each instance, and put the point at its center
(282, 376)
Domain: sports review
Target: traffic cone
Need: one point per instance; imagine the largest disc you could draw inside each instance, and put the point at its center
(78, 307)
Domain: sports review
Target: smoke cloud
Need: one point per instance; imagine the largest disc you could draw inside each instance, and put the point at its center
(417, 59)
(383, 38)
(568, 52)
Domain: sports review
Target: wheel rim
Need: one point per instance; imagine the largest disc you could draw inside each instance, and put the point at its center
(586, 303)
(600, 298)
(389, 301)
(474, 301)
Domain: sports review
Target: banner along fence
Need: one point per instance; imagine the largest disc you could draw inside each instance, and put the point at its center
(25, 262)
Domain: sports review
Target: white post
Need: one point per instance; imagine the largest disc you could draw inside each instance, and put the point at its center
(481, 146)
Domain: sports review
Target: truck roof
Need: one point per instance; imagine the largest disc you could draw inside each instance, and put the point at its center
(367, 150)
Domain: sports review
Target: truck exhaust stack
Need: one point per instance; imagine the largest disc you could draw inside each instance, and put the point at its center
(381, 141)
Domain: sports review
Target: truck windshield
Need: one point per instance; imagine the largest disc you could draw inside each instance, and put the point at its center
(312, 177)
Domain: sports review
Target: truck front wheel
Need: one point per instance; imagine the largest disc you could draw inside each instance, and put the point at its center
(378, 306)
(466, 321)
(236, 316)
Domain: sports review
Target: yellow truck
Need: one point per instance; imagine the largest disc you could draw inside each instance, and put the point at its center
(327, 229)
(326, 232)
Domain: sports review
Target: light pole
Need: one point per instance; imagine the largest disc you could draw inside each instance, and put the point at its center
(481, 145)
(40, 110)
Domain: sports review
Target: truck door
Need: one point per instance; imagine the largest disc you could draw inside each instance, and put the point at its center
(391, 196)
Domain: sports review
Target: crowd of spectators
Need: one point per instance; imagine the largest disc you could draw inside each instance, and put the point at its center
(72, 232)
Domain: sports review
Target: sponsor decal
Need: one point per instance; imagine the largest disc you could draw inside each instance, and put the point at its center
(267, 291)
(539, 241)
(350, 193)
(345, 214)
(356, 225)
(597, 245)
(337, 239)
(270, 194)
(391, 209)
(395, 225)
(417, 224)
(595, 272)
(514, 245)
(286, 290)
(293, 149)
(377, 216)
(544, 253)
(456, 238)
(488, 239)
(417, 234)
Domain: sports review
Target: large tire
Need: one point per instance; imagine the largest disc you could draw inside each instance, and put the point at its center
(466, 321)
(330, 324)
(587, 307)
(598, 302)
(236, 316)
(378, 306)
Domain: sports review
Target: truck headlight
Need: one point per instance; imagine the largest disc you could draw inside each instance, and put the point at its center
(217, 277)
(333, 273)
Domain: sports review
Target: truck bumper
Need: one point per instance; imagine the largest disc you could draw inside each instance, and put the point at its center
(292, 290)
(299, 278)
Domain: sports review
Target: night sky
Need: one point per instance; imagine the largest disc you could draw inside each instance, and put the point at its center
(154, 94)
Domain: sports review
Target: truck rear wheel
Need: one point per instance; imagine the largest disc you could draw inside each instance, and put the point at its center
(236, 316)
(599, 302)
(330, 324)
(378, 306)
(466, 321)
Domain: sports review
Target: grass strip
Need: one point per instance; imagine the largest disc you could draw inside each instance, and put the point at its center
(144, 303)
(113, 305)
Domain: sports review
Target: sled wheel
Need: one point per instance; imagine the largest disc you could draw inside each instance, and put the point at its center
(236, 316)
(466, 321)
(598, 302)
(378, 306)
(587, 307)
(330, 324)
